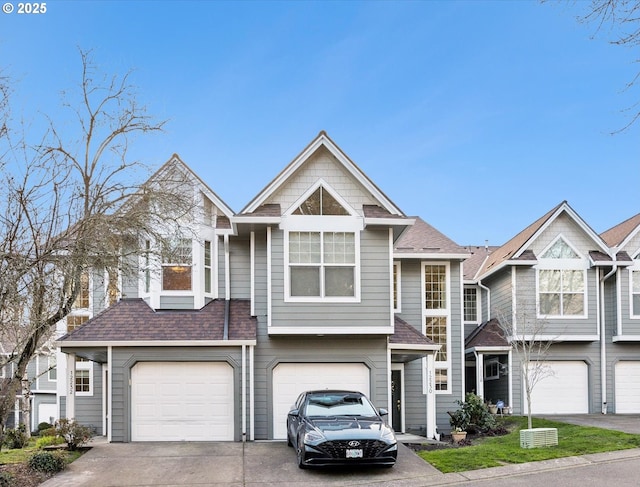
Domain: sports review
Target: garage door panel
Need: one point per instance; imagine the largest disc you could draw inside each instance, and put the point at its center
(565, 391)
(182, 401)
(627, 387)
(290, 379)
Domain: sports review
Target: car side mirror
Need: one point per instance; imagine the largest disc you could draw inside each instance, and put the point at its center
(294, 412)
(383, 412)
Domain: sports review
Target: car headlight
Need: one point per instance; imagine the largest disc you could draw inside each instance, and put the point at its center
(387, 435)
(313, 437)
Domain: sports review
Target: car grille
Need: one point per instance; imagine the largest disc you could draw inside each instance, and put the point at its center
(337, 449)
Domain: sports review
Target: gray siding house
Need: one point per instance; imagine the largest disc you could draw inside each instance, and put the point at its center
(557, 282)
(321, 281)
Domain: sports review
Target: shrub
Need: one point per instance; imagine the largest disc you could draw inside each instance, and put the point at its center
(7, 480)
(73, 433)
(48, 441)
(49, 432)
(48, 462)
(44, 426)
(473, 415)
(16, 438)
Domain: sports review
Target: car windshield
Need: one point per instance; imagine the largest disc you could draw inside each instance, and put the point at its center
(339, 404)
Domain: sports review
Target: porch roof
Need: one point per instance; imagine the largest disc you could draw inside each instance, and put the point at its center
(487, 335)
(132, 321)
(407, 343)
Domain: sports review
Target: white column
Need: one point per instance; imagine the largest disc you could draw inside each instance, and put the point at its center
(431, 396)
(71, 386)
(480, 374)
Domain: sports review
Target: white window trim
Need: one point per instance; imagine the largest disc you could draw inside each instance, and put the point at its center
(312, 189)
(194, 282)
(438, 364)
(477, 319)
(494, 362)
(581, 263)
(635, 267)
(321, 224)
(51, 358)
(88, 365)
(397, 268)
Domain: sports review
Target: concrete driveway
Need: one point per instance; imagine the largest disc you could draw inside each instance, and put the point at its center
(265, 463)
(220, 463)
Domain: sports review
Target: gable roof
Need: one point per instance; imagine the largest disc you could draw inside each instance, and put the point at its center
(478, 255)
(322, 140)
(423, 240)
(516, 249)
(133, 320)
(175, 162)
(620, 234)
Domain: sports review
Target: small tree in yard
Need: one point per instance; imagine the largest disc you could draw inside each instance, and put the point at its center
(526, 334)
(70, 202)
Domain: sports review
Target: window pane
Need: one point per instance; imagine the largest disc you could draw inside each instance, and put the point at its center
(338, 281)
(560, 250)
(176, 278)
(305, 281)
(550, 304)
(339, 248)
(636, 304)
(435, 286)
(436, 330)
(572, 304)
(549, 280)
(304, 247)
(636, 281)
(470, 305)
(441, 380)
(82, 300)
(573, 281)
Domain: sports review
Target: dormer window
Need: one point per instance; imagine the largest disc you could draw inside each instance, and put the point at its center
(561, 282)
(322, 248)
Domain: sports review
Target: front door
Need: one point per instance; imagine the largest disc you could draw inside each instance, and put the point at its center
(396, 400)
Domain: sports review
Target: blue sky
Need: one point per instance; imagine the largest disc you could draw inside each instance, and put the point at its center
(477, 116)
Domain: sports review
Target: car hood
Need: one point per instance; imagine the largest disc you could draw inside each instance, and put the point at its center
(349, 428)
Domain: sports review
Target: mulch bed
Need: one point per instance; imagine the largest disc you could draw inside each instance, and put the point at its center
(23, 476)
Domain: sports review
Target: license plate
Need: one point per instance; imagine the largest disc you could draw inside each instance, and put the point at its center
(354, 453)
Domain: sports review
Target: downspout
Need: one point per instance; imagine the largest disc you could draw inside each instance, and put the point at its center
(488, 291)
(227, 286)
(603, 345)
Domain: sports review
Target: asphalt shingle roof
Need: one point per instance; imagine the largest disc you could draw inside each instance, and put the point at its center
(489, 334)
(616, 235)
(406, 334)
(135, 320)
(423, 238)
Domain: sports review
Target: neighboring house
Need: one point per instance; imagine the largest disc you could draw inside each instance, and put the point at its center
(322, 281)
(560, 282)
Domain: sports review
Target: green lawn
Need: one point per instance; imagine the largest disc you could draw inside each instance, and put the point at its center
(504, 450)
(22, 455)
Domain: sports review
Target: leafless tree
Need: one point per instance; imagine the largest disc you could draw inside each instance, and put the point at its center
(69, 203)
(530, 343)
(619, 22)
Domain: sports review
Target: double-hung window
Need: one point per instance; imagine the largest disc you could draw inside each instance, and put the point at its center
(83, 379)
(470, 305)
(561, 282)
(176, 265)
(436, 311)
(635, 287)
(322, 264)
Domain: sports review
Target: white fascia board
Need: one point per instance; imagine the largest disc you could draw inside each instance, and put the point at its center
(156, 343)
(334, 330)
(389, 222)
(503, 348)
(407, 346)
(429, 256)
(522, 262)
(626, 338)
(562, 338)
(259, 220)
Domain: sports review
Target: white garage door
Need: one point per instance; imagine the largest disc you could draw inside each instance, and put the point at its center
(289, 380)
(627, 383)
(564, 392)
(182, 401)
